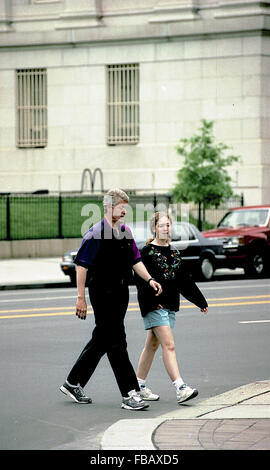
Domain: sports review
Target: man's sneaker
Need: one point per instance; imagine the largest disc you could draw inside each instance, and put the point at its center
(147, 394)
(76, 393)
(185, 393)
(133, 402)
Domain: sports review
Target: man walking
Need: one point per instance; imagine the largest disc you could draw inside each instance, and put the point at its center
(104, 261)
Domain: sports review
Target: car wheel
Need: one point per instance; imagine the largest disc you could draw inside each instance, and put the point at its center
(255, 265)
(206, 269)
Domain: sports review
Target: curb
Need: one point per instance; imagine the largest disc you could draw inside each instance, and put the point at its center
(130, 434)
(36, 285)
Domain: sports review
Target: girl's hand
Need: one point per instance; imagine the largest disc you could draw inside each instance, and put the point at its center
(204, 310)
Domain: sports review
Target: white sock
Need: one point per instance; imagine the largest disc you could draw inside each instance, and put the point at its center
(132, 392)
(141, 382)
(178, 382)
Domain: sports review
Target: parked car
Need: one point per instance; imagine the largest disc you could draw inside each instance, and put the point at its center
(201, 255)
(68, 266)
(245, 233)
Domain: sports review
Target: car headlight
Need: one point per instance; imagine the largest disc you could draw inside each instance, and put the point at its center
(67, 258)
(233, 241)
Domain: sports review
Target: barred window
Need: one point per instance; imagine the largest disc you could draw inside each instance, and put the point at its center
(32, 108)
(123, 104)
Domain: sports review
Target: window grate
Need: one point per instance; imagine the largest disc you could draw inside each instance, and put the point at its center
(123, 104)
(32, 108)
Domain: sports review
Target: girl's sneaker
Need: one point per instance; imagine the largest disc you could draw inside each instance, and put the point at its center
(147, 394)
(185, 393)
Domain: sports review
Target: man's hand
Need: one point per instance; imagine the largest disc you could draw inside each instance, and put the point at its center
(81, 308)
(156, 286)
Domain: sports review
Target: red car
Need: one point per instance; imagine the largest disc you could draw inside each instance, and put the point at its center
(245, 232)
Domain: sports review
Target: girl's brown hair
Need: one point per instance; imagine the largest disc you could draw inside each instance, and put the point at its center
(153, 222)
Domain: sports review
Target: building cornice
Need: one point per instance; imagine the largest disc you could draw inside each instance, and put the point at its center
(169, 20)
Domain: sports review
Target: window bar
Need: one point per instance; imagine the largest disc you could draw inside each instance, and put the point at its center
(37, 102)
(118, 100)
(19, 111)
(121, 128)
(112, 78)
(128, 105)
(124, 100)
(32, 111)
(133, 84)
(28, 110)
(41, 108)
(23, 108)
(36, 124)
(21, 135)
(109, 112)
(46, 108)
(137, 105)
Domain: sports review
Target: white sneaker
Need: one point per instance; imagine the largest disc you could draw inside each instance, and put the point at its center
(147, 394)
(185, 393)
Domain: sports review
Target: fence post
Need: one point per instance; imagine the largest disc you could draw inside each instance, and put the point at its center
(242, 199)
(8, 217)
(60, 234)
(199, 216)
(155, 201)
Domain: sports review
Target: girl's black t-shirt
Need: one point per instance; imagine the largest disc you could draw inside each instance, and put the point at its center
(165, 265)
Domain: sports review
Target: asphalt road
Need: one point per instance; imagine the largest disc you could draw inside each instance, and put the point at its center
(40, 338)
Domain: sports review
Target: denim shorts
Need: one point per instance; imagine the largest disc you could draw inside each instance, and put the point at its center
(161, 317)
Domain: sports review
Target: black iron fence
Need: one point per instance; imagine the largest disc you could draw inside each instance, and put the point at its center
(59, 215)
(69, 215)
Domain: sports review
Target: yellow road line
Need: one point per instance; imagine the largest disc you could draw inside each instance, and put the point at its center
(36, 309)
(136, 303)
(236, 303)
(237, 298)
(59, 311)
(53, 314)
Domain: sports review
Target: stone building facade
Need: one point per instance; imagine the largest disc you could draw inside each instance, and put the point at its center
(114, 84)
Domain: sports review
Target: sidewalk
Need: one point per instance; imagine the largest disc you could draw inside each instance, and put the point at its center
(235, 420)
(31, 272)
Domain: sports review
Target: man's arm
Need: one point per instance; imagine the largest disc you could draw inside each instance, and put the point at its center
(81, 306)
(141, 270)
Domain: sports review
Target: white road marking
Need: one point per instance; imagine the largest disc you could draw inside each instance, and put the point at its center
(254, 321)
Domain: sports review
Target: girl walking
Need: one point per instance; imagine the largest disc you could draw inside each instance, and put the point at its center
(163, 262)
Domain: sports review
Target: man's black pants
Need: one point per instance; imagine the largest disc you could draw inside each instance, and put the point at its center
(110, 306)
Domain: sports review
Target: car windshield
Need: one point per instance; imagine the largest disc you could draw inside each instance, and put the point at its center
(245, 217)
(182, 232)
(140, 232)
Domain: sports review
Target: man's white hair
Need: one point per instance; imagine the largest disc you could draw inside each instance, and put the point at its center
(113, 197)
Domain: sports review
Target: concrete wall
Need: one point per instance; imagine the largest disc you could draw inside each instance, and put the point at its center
(37, 248)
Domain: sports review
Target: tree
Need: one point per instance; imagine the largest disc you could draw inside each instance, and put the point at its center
(203, 179)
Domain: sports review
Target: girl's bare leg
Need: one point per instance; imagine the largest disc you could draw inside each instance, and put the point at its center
(164, 336)
(147, 355)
